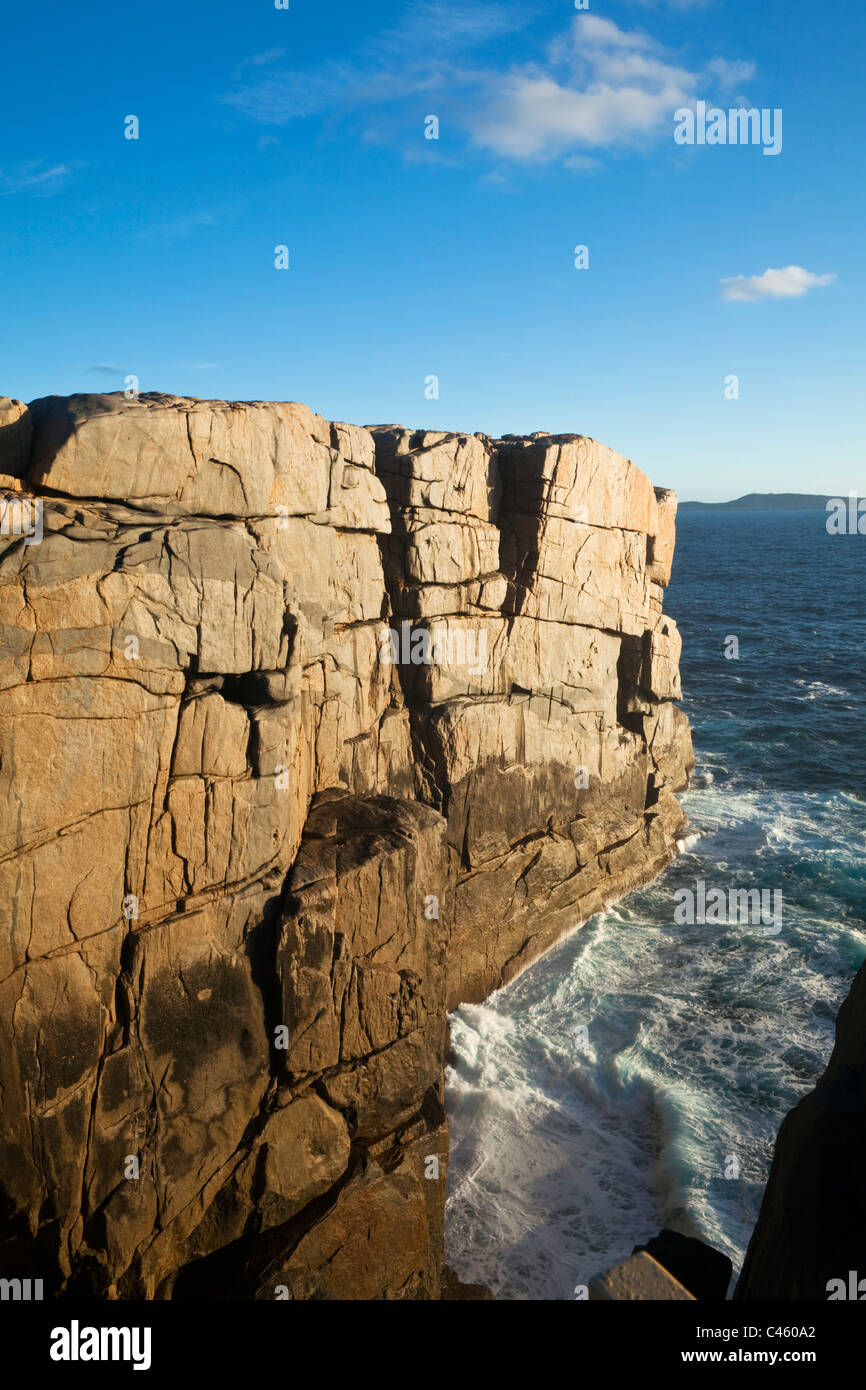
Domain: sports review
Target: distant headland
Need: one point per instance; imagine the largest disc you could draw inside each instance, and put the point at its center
(767, 502)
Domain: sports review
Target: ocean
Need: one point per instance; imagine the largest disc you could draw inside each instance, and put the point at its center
(636, 1076)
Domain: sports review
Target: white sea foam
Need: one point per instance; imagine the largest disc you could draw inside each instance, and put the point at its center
(688, 841)
(570, 1148)
(819, 690)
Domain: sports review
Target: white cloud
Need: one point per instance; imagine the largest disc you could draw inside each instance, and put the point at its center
(597, 87)
(593, 29)
(731, 74)
(790, 283)
(606, 87)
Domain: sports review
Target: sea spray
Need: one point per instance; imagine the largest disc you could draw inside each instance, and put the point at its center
(637, 1075)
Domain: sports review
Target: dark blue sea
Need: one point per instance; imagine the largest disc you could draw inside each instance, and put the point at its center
(636, 1076)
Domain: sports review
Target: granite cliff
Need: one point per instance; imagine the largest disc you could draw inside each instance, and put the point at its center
(308, 732)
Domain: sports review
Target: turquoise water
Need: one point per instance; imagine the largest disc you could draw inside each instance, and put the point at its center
(571, 1146)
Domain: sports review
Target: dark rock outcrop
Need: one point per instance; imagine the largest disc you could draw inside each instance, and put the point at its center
(811, 1231)
(704, 1271)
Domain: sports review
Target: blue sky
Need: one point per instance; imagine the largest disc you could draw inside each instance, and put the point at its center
(453, 257)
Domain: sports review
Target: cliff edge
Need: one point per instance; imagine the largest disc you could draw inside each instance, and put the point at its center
(308, 732)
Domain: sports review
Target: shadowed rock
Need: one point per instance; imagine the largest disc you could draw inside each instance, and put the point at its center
(811, 1232)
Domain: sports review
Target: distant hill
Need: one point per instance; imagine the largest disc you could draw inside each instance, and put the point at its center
(766, 502)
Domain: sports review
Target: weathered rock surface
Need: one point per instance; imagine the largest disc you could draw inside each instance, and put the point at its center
(548, 740)
(638, 1279)
(253, 848)
(810, 1240)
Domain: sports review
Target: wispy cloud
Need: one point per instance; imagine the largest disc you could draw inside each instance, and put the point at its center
(673, 4)
(287, 96)
(446, 28)
(186, 224)
(790, 283)
(108, 369)
(37, 177)
(260, 60)
(416, 54)
(597, 87)
(731, 74)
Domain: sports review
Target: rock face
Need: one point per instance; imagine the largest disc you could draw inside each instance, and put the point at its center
(811, 1233)
(307, 733)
